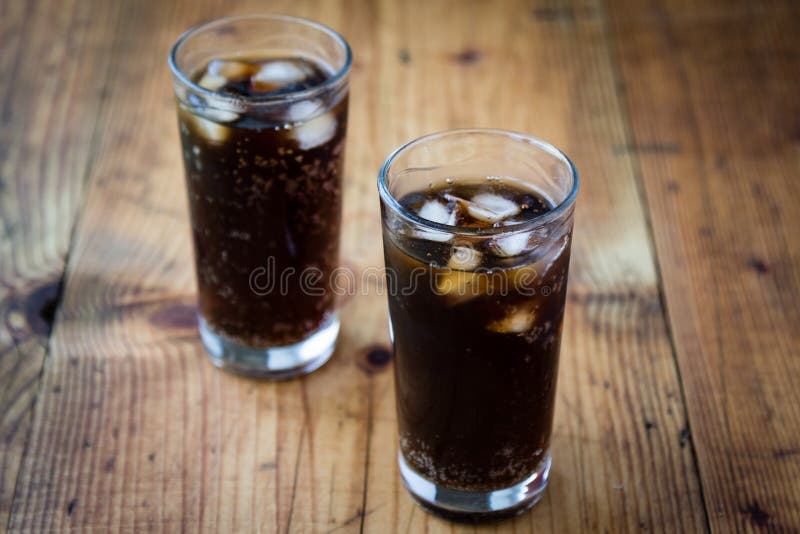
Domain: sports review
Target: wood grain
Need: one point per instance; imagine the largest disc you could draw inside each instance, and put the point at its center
(53, 62)
(620, 463)
(135, 429)
(713, 92)
(681, 117)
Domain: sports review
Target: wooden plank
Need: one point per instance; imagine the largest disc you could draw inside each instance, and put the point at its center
(53, 60)
(136, 430)
(621, 456)
(713, 94)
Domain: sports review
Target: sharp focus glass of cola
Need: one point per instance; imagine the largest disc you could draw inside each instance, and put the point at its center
(477, 228)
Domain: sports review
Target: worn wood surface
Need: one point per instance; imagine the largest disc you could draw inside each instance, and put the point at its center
(49, 118)
(714, 104)
(678, 390)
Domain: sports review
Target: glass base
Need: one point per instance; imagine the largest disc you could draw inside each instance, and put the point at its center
(272, 362)
(462, 505)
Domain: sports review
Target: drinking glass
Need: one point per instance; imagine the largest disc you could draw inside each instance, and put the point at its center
(264, 176)
(476, 342)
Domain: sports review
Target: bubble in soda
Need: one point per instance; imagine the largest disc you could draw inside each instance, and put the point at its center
(264, 182)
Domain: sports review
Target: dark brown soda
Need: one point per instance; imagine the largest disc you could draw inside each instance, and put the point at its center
(264, 201)
(476, 372)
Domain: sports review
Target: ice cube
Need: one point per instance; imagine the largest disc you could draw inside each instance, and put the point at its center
(212, 82)
(279, 73)
(303, 110)
(516, 321)
(511, 245)
(220, 72)
(488, 207)
(464, 258)
(209, 124)
(263, 87)
(229, 69)
(482, 214)
(315, 132)
(470, 207)
(435, 211)
(210, 130)
(219, 115)
(433, 235)
(461, 286)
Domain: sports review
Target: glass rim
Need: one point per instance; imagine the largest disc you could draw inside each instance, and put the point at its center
(409, 216)
(267, 99)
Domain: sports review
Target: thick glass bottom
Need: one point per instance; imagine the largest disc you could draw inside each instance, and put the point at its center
(273, 363)
(476, 505)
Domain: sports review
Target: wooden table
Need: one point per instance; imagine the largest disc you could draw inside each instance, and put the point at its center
(679, 392)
